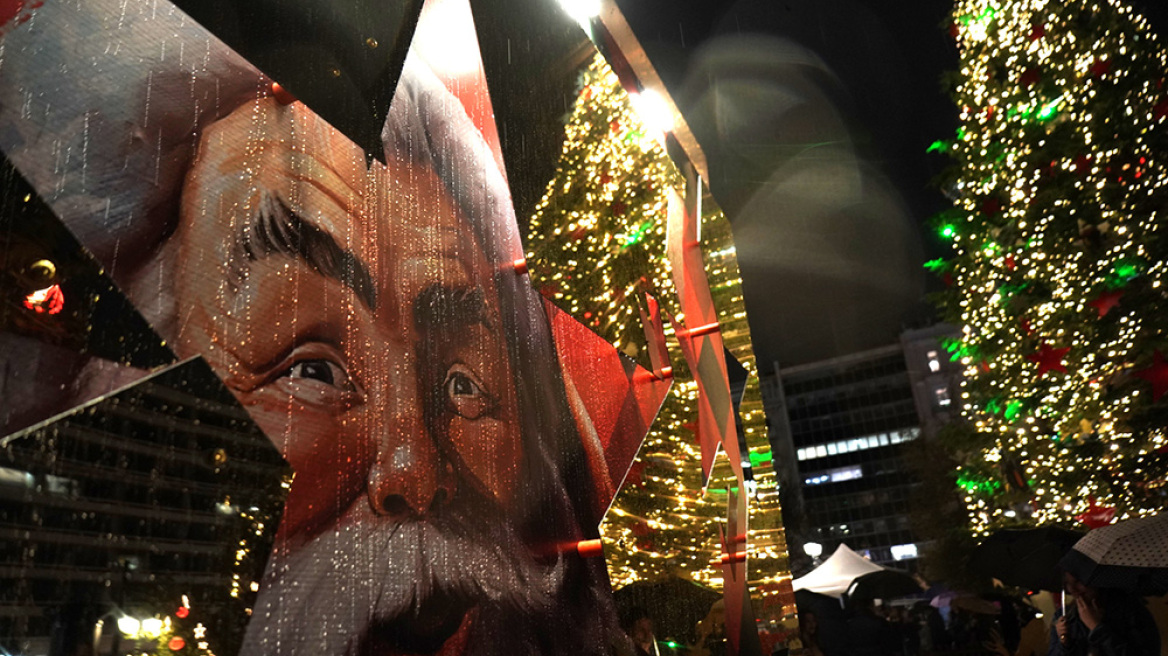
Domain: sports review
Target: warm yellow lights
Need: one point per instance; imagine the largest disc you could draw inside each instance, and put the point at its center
(1064, 119)
(596, 242)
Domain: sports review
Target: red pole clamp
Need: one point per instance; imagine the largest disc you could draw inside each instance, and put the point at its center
(701, 330)
(589, 548)
(281, 94)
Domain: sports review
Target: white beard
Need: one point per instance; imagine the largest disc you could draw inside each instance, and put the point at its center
(324, 598)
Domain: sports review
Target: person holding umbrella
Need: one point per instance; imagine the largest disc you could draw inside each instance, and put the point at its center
(1106, 571)
(1103, 622)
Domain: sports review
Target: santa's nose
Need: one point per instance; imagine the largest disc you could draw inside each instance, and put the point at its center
(410, 476)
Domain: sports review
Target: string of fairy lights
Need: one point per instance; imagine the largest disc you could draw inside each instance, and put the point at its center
(1058, 260)
(596, 241)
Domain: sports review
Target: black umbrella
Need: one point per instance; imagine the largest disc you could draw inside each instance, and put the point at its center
(1027, 558)
(885, 584)
(1130, 555)
(822, 605)
(675, 605)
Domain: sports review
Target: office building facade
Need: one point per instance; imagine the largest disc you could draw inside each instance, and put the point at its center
(840, 429)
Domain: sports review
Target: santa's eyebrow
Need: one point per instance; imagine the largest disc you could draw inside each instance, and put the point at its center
(277, 230)
(447, 309)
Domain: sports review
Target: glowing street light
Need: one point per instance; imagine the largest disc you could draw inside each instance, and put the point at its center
(582, 11)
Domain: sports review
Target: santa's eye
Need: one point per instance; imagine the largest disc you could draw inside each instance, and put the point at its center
(465, 395)
(320, 370)
(315, 373)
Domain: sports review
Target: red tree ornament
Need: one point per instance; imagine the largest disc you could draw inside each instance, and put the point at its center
(1030, 76)
(1049, 358)
(1161, 109)
(1106, 302)
(1037, 31)
(1096, 516)
(991, 206)
(50, 300)
(1157, 375)
(1100, 67)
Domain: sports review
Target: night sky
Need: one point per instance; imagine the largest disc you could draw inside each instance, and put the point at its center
(816, 115)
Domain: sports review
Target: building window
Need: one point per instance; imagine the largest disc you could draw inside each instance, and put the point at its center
(834, 476)
(934, 362)
(846, 474)
(904, 551)
(857, 444)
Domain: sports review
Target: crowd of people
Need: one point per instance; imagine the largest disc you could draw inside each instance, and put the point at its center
(1095, 622)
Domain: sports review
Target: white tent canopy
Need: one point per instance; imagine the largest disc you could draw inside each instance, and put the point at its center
(836, 574)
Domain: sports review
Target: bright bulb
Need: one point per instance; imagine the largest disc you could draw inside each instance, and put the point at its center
(152, 627)
(813, 549)
(129, 626)
(653, 110)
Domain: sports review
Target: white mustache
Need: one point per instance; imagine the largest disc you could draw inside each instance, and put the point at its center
(321, 598)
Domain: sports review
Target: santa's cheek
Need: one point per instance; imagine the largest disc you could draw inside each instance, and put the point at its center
(489, 450)
(329, 460)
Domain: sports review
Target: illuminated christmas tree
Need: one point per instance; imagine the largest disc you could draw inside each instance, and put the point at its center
(596, 244)
(1058, 275)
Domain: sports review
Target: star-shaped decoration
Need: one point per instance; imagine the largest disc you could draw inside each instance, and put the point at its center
(1030, 77)
(1096, 516)
(1049, 358)
(1106, 302)
(1100, 67)
(1161, 109)
(1157, 375)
